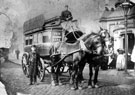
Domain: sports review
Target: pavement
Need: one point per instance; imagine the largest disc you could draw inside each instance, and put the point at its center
(2, 89)
(112, 82)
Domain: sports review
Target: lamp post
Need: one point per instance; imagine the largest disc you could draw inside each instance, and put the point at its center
(126, 5)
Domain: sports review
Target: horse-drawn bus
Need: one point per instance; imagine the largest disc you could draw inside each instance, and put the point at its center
(46, 33)
(42, 33)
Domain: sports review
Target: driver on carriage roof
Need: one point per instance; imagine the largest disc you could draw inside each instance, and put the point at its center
(66, 15)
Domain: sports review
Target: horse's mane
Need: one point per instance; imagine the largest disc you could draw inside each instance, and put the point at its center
(106, 31)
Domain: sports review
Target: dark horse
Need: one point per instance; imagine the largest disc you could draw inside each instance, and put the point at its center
(74, 55)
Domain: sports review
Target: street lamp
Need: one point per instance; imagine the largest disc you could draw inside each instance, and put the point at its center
(126, 5)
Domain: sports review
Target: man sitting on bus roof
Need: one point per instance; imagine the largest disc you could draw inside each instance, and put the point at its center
(66, 15)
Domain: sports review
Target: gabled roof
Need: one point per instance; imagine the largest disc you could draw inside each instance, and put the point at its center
(118, 13)
(105, 15)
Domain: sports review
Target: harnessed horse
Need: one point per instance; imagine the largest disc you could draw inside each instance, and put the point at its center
(108, 41)
(75, 54)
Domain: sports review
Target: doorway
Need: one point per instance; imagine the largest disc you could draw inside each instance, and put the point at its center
(130, 42)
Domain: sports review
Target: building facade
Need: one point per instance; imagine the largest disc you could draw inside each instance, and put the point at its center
(113, 21)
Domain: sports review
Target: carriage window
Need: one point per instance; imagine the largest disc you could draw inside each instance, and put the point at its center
(40, 38)
(45, 39)
(35, 38)
(30, 40)
(26, 42)
(46, 36)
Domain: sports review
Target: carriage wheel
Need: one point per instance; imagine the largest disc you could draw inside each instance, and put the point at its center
(41, 74)
(24, 65)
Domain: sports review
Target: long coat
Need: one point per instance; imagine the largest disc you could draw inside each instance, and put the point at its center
(133, 55)
(34, 60)
(120, 63)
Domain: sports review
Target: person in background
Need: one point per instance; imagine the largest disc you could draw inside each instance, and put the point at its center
(34, 62)
(133, 56)
(17, 53)
(120, 63)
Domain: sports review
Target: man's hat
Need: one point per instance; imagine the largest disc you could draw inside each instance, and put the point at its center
(33, 46)
(66, 5)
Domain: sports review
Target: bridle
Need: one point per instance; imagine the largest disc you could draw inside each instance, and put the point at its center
(92, 48)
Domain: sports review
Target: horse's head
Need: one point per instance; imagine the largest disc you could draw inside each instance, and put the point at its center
(106, 38)
(93, 42)
(104, 33)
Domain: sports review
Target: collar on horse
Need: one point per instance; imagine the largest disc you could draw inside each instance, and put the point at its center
(83, 46)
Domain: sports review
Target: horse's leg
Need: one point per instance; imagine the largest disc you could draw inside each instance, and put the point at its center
(90, 76)
(71, 76)
(57, 74)
(96, 76)
(70, 71)
(81, 68)
(80, 73)
(52, 76)
(74, 76)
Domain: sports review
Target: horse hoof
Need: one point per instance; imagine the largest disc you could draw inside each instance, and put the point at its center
(60, 83)
(90, 86)
(80, 88)
(83, 81)
(96, 86)
(73, 88)
(53, 84)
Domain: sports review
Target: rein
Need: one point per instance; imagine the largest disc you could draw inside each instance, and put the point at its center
(65, 56)
(82, 48)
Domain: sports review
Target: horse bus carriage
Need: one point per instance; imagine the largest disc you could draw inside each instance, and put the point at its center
(49, 38)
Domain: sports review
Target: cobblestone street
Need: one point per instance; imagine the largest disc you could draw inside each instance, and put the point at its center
(111, 82)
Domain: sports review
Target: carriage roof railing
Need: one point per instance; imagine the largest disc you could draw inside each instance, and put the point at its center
(40, 23)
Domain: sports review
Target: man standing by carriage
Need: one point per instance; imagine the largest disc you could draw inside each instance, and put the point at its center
(34, 62)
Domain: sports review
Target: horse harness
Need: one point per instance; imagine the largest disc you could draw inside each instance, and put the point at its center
(82, 47)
